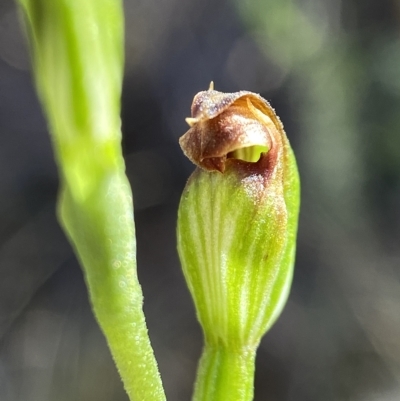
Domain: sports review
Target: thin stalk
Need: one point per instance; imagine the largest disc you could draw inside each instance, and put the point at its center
(103, 234)
(225, 374)
(77, 54)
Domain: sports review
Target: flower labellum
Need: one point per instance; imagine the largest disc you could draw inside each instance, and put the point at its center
(237, 225)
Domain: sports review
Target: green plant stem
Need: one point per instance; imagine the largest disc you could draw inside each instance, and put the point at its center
(77, 54)
(102, 231)
(225, 374)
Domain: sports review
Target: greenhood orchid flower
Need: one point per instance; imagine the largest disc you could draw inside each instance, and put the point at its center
(237, 227)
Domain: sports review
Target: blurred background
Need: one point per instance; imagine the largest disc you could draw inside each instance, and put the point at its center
(331, 69)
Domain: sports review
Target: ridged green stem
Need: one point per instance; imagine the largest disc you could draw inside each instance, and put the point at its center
(225, 374)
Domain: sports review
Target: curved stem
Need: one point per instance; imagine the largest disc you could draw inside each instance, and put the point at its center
(225, 374)
(77, 54)
(103, 234)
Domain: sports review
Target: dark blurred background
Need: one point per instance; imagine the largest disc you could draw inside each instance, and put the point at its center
(331, 69)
